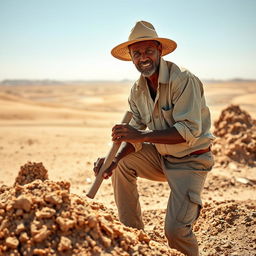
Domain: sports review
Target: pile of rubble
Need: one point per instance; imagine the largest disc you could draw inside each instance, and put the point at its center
(41, 217)
(222, 226)
(235, 133)
(30, 172)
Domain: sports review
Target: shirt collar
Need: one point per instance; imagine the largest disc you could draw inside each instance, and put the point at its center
(164, 73)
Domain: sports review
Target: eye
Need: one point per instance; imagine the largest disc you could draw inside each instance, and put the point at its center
(149, 51)
(136, 55)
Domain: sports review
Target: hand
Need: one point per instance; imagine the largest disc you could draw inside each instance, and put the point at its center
(125, 132)
(108, 172)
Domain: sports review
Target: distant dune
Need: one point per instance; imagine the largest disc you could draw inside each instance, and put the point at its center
(67, 82)
(58, 82)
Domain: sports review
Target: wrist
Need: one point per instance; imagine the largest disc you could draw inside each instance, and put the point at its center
(146, 135)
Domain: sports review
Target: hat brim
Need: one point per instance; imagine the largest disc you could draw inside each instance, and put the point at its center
(121, 51)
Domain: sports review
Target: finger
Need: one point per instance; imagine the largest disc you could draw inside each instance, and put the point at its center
(117, 126)
(116, 130)
(120, 127)
(96, 170)
(120, 133)
(121, 137)
(106, 175)
(99, 162)
(108, 172)
(97, 165)
(115, 138)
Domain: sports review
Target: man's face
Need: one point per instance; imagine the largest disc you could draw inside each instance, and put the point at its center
(146, 56)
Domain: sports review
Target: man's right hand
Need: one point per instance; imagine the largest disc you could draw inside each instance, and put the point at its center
(108, 172)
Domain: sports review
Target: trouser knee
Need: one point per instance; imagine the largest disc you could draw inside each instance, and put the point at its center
(180, 236)
(175, 231)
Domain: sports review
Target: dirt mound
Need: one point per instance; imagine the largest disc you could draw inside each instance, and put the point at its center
(236, 137)
(30, 172)
(43, 218)
(223, 228)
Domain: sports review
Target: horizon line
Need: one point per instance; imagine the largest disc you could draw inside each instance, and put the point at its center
(48, 80)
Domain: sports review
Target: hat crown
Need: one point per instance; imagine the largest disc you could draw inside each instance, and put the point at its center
(142, 29)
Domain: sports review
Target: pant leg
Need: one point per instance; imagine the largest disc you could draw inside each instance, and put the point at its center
(145, 163)
(183, 209)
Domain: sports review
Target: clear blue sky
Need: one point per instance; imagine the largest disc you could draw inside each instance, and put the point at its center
(72, 39)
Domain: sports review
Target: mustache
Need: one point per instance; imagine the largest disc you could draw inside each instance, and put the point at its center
(145, 62)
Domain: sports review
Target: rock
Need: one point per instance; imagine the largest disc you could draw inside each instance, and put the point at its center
(20, 228)
(244, 180)
(143, 237)
(45, 213)
(53, 198)
(12, 242)
(23, 237)
(42, 234)
(64, 244)
(65, 224)
(23, 202)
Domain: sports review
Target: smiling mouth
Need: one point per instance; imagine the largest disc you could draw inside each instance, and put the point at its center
(147, 64)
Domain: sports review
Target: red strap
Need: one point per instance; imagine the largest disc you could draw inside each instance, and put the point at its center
(201, 151)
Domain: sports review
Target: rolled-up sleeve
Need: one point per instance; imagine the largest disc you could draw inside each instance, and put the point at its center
(187, 100)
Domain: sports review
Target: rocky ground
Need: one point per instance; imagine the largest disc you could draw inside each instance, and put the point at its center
(50, 136)
(41, 217)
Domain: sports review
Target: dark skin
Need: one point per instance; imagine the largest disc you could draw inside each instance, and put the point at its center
(146, 58)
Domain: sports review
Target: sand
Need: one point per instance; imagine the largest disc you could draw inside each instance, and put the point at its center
(66, 127)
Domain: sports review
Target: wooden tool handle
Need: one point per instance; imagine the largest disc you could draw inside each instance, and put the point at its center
(108, 160)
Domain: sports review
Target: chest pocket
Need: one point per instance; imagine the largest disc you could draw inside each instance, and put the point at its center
(168, 118)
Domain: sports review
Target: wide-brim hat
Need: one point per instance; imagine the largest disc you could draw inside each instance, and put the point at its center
(142, 31)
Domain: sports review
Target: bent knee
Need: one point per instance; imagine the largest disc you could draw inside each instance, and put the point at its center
(176, 230)
(124, 169)
(127, 163)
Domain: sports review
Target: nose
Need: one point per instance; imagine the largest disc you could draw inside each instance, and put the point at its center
(144, 57)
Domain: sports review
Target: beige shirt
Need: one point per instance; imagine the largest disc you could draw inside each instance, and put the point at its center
(179, 102)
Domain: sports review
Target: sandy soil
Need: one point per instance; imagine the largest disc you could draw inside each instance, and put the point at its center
(66, 127)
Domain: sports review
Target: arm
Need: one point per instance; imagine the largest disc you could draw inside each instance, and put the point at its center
(129, 134)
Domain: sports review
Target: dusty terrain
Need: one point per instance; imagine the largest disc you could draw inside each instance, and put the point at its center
(66, 127)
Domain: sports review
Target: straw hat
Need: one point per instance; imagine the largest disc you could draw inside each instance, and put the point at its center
(142, 31)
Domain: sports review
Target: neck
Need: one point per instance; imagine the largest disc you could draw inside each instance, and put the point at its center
(153, 80)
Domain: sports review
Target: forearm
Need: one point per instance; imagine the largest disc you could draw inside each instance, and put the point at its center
(126, 133)
(167, 136)
(124, 150)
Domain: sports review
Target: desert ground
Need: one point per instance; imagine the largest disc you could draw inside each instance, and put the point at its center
(66, 127)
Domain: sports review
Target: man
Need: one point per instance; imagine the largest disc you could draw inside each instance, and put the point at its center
(176, 146)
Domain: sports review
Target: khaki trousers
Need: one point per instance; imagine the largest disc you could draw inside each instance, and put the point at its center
(186, 177)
